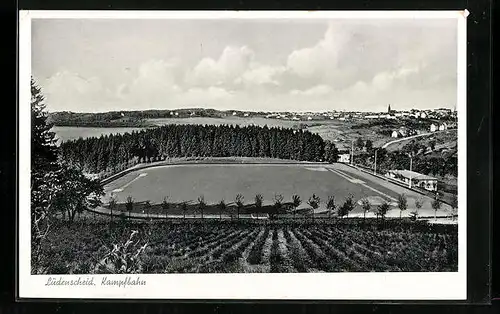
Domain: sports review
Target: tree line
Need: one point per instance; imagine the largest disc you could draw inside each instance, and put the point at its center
(110, 152)
(279, 206)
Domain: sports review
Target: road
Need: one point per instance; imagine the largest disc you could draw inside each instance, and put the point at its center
(410, 137)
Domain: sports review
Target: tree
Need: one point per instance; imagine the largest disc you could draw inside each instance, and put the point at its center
(365, 204)
(454, 206)
(330, 205)
(258, 202)
(129, 205)
(239, 204)
(55, 186)
(436, 204)
(222, 207)
(296, 201)
(418, 203)
(360, 143)
(402, 204)
(346, 207)
(165, 206)
(432, 144)
(184, 208)
(202, 204)
(112, 205)
(76, 193)
(382, 209)
(147, 207)
(331, 152)
(414, 215)
(278, 203)
(349, 204)
(44, 150)
(369, 145)
(314, 202)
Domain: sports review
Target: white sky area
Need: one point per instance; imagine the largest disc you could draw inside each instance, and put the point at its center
(95, 65)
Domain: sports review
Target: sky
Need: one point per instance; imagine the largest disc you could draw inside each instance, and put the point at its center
(97, 65)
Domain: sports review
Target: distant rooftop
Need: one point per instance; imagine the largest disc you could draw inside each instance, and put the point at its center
(413, 174)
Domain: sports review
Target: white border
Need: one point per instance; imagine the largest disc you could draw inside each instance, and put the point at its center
(332, 286)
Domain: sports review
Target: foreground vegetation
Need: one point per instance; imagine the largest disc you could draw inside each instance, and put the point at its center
(355, 245)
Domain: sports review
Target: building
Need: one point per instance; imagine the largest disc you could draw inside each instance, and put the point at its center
(433, 128)
(403, 131)
(394, 134)
(443, 127)
(344, 157)
(417, 179)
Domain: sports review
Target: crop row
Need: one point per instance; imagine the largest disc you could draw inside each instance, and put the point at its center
(190, 248)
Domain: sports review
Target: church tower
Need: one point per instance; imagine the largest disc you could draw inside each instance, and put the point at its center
(389, 109)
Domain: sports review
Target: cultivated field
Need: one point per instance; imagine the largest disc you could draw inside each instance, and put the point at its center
(186, 182)
(217, 247)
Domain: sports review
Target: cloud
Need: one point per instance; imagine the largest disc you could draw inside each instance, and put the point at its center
(259, 74)
(353, 65)
(317, 61)
(72, 92)
(386, 53)
(319, 90)
(232, 63)
(154, 85)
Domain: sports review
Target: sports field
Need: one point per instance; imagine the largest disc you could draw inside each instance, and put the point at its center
(186, 182)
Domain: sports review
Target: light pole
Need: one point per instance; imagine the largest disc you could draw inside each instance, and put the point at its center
(411, 164)
(352, 152)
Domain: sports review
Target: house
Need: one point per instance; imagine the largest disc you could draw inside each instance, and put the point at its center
(403, 131)
(176, 113)
(246, 114)
(433, 128)
(414, 179)
(395, 134)
(372, 116)
(296, 118)
(443, 127)
(309, 118)
(171, 113)
(344, 157)
(423, 115)
(235, 113)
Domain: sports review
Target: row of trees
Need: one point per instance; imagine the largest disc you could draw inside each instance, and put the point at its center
(279, 206)
(109, 152)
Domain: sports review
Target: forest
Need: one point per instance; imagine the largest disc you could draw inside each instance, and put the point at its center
(112, 152)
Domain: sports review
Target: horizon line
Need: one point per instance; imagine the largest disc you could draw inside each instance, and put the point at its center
(252, 111)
